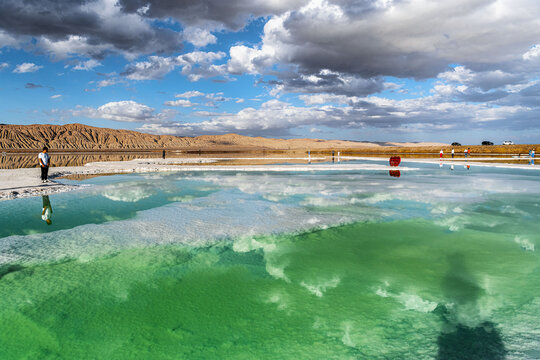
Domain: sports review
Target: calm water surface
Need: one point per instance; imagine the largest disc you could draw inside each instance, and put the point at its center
(434, 264)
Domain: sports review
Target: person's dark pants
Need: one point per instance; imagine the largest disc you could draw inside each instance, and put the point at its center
(44, 171)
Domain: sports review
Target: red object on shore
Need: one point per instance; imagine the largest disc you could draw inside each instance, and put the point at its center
(395, 160)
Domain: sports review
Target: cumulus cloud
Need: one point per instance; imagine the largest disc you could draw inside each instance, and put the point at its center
(532, 53)
(432, 113)
(484, 80)
(3, 66)
(210, 14)
(123, 111)
(211, 99)
(195, 65)
(88, 28)
(109, 82)
(346, 47)
(180, 102)
(199, 37)
(327, 81)
(87, 65)
(26, 68)
(190, 94)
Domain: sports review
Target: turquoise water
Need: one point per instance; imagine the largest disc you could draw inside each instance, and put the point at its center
(435, 264)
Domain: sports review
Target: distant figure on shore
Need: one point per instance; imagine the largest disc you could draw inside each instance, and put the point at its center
(44, 163)
(47, 210)
(332, 155)
(532, 157)
(309, 156)
(452, 153)
(468, 151)
(164, 154)
(441, 154)
(465, 153)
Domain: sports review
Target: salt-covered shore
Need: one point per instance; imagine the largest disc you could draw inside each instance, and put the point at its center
(26, 182)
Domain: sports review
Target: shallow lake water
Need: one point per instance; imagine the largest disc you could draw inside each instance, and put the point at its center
(433, 264)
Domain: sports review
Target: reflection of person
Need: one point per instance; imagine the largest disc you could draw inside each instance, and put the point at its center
(47, 210)
(44, 163)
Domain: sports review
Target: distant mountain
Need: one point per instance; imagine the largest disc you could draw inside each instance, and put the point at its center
(83, 137)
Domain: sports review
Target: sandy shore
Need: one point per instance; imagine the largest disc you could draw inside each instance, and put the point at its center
(26, 182)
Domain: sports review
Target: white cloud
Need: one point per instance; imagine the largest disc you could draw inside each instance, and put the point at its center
(212, 99)
(433, 113)
(7, 40)
(484, 80)
(26, 68)
(190, 94)
(533, 53)
(57, 96)
(87, 65)
(3, 66)
(72, 45)
(195, 65)
(360, 42)
(124, 111)
(89, 29)
(180, 102)
(110, 82)
(199, 37)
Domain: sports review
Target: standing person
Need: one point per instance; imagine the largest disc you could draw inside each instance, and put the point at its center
(465, 153)
(44, 163)
(47, 210)
(441, 154)
(452, 153)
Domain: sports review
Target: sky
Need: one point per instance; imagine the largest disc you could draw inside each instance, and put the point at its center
(364, 70)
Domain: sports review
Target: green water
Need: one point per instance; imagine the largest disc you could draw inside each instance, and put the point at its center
(361, 290)
(389, 277)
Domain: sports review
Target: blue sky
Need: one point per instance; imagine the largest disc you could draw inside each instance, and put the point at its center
(379, 70)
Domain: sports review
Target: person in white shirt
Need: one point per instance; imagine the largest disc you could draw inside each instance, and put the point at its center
(47, 210)
(452, 153)
(44, 163)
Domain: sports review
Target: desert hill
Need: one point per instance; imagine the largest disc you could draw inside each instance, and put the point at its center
(84, 137)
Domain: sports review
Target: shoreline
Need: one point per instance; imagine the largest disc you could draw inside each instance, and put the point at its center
(25, 182)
